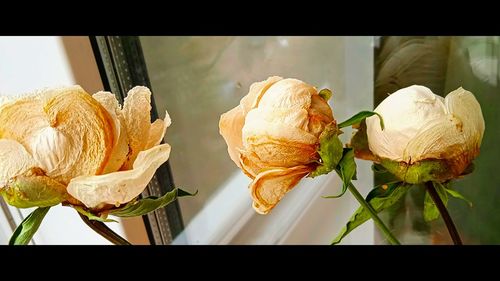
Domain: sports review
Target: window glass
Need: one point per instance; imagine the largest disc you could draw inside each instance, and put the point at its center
(198, 78)
(443, 64)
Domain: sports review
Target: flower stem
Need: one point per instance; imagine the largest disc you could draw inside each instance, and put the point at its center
(104, 231)
(380, 224)
(444, 213)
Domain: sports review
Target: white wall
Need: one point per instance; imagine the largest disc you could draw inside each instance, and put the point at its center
(26, 64)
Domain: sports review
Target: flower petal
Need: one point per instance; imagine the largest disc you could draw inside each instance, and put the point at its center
(288, 93)
(157, 131)
(279, 137)
(463, 105)
(136, 112)
(257, 90)
(120, 146)
(439, 139)
(119, 187)
(270, 186)
(14, 160)
(230, 126)
(65, 130)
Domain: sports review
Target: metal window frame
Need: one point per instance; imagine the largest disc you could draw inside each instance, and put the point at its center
(122, 66)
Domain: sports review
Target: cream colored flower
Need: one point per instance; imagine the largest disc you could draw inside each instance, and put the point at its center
(101, 153)
(272, 135)
(421, 127)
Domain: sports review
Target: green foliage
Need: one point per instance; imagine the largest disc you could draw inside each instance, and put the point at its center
(357, 118)
(380, 198)
(28, 227)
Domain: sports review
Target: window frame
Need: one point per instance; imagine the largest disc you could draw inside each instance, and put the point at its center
(122, 66)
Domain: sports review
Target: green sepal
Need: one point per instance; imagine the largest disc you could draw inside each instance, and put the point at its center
(33, 189)
(330, 150)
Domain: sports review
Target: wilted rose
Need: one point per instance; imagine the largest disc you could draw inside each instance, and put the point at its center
(426, 137)
(273, 136)
(64, 145)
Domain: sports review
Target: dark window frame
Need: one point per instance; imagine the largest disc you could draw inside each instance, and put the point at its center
(122, 66)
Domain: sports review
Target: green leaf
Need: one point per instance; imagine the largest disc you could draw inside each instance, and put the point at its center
(455, 194)
(90, 215)
(431, 211)
(356, 119)
(326, 94)
(25, 231)
(346, 169)
(330, 151)
(380, 198)
(149, 204)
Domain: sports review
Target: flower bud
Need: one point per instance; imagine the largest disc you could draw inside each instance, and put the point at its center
(426, 137)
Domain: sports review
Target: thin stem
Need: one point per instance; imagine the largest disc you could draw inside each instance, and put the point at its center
(380, 224)
(104, 231)
(444, 213)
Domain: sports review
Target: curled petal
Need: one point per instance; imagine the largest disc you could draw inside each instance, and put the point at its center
(270, 186)
(463, 105)
(119, 187)
(288, 93)
(120, 146)
(257, 91)
(14, 160)
(439, 139)
(136, 113)
(157, 131)
(230, 126)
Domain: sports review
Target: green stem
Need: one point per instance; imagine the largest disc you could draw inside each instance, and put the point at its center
(104, 231)
(444, 213)
(380, 224)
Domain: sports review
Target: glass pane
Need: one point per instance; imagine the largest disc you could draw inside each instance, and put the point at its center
(199, 78)
(443, 64)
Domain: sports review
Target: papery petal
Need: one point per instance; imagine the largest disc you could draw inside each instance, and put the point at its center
(136, 112)
(14, 160)
(157, 131)
(439, 138)
(120, 146)
(257, 91)
(230, 126)
(288, 93)
(279, 137)
(123, 186)
(320, 114)
(270, 186)
(464, 106)
(65, 130)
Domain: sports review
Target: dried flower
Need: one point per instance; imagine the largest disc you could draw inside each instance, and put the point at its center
(273, 136)
(63, 145)
(426, 137)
